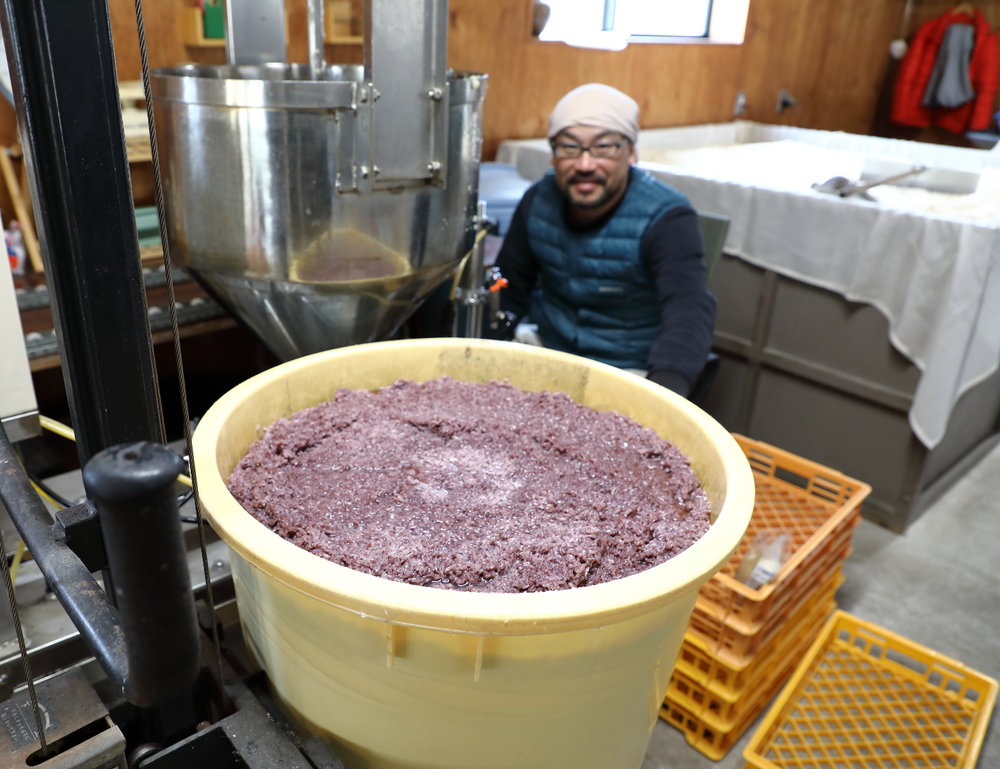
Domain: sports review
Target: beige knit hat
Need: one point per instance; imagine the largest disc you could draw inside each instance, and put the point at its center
(598, 105)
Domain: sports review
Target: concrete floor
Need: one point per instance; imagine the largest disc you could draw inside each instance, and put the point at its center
(938, 585)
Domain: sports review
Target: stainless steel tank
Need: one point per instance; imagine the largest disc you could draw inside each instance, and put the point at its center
(274, 199)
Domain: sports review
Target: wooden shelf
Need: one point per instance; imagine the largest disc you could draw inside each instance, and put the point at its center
(342, 22)
(138, 149)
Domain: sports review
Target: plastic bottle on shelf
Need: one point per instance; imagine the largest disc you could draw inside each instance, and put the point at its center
(16, 253)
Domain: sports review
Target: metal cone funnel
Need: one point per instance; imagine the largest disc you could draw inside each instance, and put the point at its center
(272, 206)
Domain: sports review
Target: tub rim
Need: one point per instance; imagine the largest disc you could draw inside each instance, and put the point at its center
(469, 612)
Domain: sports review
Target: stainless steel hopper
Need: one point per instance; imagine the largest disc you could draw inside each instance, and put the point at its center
(322, 203)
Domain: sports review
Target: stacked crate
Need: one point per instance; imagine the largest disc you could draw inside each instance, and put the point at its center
(742, 643)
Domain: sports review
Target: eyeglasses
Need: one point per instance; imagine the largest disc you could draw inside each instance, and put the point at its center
(600, 149)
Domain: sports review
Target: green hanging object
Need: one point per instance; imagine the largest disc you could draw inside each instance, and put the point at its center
(213, 24)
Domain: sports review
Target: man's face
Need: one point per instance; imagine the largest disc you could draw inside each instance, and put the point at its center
(592, 185)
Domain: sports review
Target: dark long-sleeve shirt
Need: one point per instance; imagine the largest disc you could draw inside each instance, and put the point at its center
(672, 253)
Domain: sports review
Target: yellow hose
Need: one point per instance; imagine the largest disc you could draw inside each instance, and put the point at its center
(42, 493)
(461, 265)
(22, 550)
(57, 427)
(67, 432)
(16, 562)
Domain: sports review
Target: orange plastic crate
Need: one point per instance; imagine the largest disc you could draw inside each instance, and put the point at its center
(816, 506)
(737, 647)
(732, 682)
(864, 696)
(724, 714)
(712, 723)
(704, 736)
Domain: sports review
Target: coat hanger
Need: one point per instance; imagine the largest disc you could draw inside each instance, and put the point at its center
(967, 8)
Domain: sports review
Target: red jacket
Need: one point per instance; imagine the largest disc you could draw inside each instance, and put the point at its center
(916, 67)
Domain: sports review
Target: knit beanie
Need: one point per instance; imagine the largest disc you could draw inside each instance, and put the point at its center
(597, 105)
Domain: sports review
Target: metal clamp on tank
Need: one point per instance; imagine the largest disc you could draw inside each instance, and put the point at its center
(397, 126)
(406, 59)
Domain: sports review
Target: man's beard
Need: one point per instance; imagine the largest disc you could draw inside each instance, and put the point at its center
(590, 202)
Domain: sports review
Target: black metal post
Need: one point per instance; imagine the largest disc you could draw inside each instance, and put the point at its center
(132, 486)
(65, 87)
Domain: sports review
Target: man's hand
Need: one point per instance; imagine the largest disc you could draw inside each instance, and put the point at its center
(671, 380)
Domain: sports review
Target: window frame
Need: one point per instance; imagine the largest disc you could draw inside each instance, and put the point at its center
(610, 11)
(726, 26)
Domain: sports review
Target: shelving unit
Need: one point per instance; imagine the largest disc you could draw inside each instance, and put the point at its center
(341, 30)
(342, 21)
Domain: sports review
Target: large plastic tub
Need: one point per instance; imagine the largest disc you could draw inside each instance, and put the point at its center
(398, 676)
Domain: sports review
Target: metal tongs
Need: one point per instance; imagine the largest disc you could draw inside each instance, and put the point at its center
(843, 187)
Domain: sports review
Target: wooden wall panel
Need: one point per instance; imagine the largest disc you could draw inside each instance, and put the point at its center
(831, 55)
(673, 84)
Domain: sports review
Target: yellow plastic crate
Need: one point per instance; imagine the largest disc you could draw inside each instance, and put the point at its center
(818, 508)
(864, 696)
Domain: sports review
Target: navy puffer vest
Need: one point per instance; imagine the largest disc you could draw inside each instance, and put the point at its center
(596, 296)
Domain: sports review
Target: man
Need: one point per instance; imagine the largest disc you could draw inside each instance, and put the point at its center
(605, 259)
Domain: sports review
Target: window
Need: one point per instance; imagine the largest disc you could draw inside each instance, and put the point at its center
(580, 23)
(613, 24)
(667, 18)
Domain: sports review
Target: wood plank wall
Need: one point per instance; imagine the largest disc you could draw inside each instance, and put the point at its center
(831, 55)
